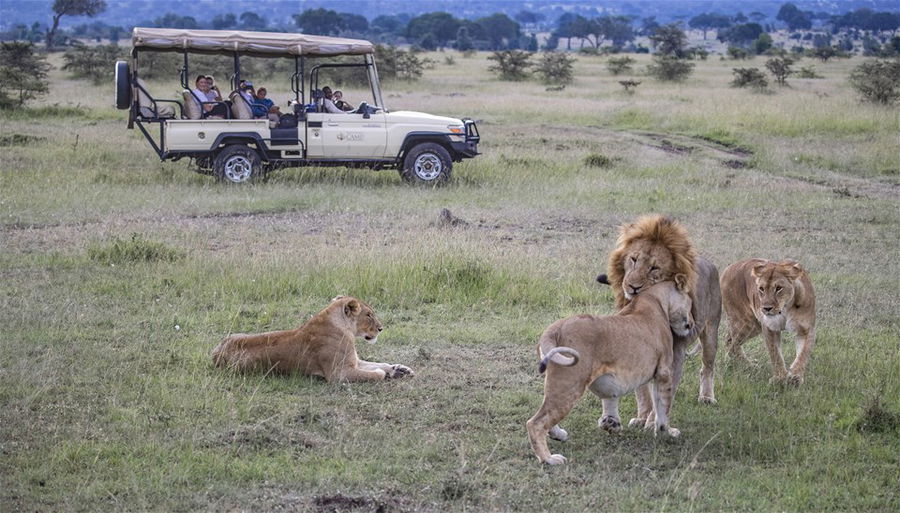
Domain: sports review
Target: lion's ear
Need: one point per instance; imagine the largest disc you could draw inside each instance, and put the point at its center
(680, 282)
(352, 308)
(791, 268)
(758, 269)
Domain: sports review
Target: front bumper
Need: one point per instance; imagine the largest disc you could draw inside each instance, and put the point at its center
(468, 147)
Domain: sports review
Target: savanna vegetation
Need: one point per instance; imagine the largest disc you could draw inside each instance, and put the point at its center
(120, 273)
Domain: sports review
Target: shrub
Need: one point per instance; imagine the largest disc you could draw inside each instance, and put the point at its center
(877, 81)
(808, 72)
(396, 63)
(737, 53)
(780, 68)
(92, 62)
(555, 68)
(24, 74)
(619, 65)
(670, 68)
(511, 64)
(749, 77)
(597, 160)
(449, 60)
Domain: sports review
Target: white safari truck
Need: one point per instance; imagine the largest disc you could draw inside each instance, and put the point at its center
(236, 147)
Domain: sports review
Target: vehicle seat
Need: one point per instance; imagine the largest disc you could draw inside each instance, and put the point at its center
(148, 107)
(240, 107)
(191, 107)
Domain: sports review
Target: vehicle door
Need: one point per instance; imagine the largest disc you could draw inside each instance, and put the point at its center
(347, 135)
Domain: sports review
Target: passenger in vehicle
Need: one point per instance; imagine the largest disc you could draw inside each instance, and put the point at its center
(203, 92)
(339, 102)
(328, 102)
(264, 107)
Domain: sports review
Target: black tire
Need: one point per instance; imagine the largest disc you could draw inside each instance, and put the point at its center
(427, 163)
(123, 85)
(238, 164)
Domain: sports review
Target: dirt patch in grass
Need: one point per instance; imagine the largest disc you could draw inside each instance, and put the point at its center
(339, 503)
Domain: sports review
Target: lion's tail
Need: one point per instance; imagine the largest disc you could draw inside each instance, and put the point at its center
(550, 351)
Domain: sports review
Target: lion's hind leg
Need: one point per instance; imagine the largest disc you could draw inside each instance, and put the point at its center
(558, 402)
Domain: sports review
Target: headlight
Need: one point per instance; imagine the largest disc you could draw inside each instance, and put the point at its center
(457, 129)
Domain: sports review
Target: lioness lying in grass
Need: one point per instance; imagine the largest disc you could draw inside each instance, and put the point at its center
(323, 346)
(612, 356)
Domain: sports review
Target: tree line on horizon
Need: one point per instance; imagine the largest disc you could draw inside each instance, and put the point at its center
(438, 30)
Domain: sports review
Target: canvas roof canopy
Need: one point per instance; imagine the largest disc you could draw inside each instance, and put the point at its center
(258, 43)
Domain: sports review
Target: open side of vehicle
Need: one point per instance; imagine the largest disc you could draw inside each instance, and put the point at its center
(232, 144)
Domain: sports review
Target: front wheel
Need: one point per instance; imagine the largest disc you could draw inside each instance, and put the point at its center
(237, 164)
(427, 164)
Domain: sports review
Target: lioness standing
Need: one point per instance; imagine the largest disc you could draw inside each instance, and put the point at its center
(612, 356)
(770, 296)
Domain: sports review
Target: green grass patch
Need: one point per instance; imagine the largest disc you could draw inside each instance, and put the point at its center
(132, 250)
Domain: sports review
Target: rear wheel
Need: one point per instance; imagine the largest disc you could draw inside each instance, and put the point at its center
(237, 164)
(427, 164)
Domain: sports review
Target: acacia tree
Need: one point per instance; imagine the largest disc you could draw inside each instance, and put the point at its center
(780, 68)
(511, 64)
(62, 8)
(555, 68)
(670, 61)
(877, 81)
(24, 74)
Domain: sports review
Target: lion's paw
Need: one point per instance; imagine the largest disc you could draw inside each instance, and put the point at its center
(399, 371)
(558, 433)
(795, 380)
(556, 459)
(636, 422)
(780, 379)
(610, 424)
(706, 400)
(674, 433)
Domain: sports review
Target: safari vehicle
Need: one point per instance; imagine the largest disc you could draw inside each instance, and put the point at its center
(238, 148)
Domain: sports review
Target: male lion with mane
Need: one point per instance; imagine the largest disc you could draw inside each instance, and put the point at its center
(656, 248)
(323, 346)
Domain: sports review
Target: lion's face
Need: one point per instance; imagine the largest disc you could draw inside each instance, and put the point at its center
(775, 285)
(367, 324)
(646, 263)
(361, 316)
(680, 320)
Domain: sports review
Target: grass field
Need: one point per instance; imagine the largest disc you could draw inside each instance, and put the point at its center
(120, 273)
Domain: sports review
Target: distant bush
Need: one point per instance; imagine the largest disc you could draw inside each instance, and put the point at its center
(749, 77)
(135, 249)
(597, 160)
(670, 68)
(92, 62)
(877, 81)
(449, 60)
(619, 65)
(780, 68)
(23, 72)
(511, 64)
(826, 52)
(396, 63)
(808, 72)
(555, 68)
(737, 53)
